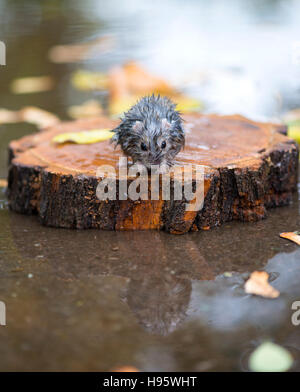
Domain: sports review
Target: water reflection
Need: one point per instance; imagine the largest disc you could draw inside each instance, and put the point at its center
(167, 279)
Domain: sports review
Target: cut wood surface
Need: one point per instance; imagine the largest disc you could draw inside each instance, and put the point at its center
(249, 167)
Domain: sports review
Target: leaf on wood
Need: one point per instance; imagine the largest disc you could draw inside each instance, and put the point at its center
(258, 284)
(270, 357)
(8, 116)
(91, 108)
(292, 236)
(83, 51)
(87, 80)
(30, 85)
(84, 137)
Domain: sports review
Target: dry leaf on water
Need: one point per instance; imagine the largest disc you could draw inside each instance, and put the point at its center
(88, 80)
(84, 137)
(41, 118)
(37, 116)
(8, 116)
(91, 108)
(292, 236)
(258, 284)
(83, 51)
(3, 183)
(30, 85)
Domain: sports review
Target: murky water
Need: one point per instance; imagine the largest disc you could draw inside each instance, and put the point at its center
(91, 300)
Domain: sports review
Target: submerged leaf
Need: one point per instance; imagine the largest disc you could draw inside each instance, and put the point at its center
(258, 284)
(84, 137)
(292, 236)
(270, 357)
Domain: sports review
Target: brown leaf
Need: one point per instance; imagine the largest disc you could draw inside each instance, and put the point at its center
(258, 285)
(292, 236)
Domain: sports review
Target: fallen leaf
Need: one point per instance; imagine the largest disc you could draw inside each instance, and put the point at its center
(91, 108)
(258, 284)
(77, 52)
(8, 116)
(292, 236)
(84, 137)
(3, 183)
(30, 85)
(126, 369)
(270, 357)
(87, 80)
(39, 117)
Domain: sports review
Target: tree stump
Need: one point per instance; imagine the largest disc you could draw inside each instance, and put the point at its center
(249, 167)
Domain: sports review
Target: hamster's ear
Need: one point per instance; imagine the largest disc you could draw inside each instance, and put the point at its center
(138, 127)
(165, 124)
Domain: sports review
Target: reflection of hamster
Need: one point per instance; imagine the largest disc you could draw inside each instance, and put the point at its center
(159, 304)
(151, 133)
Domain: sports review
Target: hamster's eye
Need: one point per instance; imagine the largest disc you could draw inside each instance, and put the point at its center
(163, 144)
(143, 146)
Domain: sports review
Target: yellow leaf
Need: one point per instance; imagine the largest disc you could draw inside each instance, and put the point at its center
(87, 80)
(84, 137)
(294, 132)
